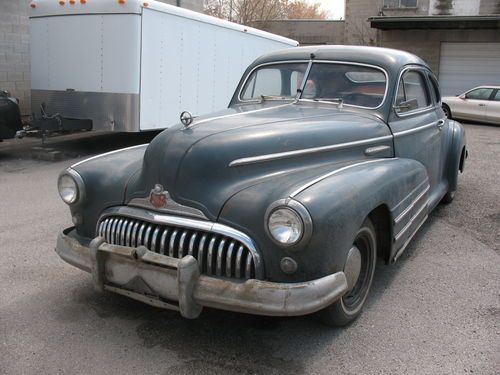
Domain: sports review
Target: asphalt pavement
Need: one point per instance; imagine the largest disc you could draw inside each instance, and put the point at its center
(435, 311)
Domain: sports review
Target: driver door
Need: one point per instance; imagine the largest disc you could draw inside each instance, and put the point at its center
(418, 126)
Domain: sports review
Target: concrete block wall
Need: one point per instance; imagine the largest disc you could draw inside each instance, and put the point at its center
(427, 43)
(15, 51)
(306, 32)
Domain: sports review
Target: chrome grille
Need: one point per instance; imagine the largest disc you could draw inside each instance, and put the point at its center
(217, 254)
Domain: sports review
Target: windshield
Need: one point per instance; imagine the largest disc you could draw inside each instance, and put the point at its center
(350, 84)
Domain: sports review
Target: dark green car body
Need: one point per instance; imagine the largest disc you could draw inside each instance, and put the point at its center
(340, 163)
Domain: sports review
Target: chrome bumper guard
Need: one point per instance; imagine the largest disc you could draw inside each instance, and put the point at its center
(176, 284)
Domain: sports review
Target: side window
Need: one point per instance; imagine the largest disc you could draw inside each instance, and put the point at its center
(413, 93)
(479, 94)
(435, 88)
(496, 98)
(415, 88)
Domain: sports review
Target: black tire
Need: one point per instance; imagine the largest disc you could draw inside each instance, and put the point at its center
(448, 197)
(447, 111)
(348, 308)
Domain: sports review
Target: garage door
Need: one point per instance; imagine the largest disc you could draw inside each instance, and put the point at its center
(467, 65)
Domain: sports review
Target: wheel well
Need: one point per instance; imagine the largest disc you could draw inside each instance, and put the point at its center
(447, 107)
(462, 160)
(381, 219)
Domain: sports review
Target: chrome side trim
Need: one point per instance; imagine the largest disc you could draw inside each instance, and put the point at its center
(318, 179)
(312, 150)
(370, 151)
(107, 153)
(410, 222)
(411, 205)
(402, 248)
(414, 130)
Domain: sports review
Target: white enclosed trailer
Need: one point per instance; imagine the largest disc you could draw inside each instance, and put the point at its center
(129, 65)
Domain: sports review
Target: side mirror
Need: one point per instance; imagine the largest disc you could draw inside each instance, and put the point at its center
(406, 106)
(462, 96)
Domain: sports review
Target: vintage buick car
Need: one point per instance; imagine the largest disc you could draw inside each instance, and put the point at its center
(326, 158)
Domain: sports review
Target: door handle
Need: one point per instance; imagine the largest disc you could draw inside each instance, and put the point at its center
(440, 124)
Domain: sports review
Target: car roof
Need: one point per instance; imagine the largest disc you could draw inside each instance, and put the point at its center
(389, 59)
(485, 87)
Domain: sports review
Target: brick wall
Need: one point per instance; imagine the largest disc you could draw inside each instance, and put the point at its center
(14, 51)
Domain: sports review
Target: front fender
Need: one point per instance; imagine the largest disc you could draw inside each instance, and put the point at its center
(105, 178)
(339, 202)
(338, 199)
(457, 154)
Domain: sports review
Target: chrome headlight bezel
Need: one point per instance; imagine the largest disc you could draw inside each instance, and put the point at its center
(75, 177)
(300, 211)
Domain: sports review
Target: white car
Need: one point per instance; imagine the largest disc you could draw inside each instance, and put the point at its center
(479, 104)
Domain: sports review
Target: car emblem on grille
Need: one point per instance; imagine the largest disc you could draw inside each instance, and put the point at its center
(158, 197)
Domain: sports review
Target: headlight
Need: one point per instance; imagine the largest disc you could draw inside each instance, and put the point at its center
(70, 186)
(285, 226)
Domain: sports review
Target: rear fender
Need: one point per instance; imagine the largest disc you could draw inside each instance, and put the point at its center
(457, 154)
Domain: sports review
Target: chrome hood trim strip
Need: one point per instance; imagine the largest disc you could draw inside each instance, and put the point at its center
(320, 178)
(305, 151)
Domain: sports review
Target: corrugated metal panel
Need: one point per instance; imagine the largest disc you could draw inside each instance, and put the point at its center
(467, 65)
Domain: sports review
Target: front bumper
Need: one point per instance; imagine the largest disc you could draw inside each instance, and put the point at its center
(176, 284)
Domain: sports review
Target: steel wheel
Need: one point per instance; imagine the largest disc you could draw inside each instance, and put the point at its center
(447, 111)
(350, 305)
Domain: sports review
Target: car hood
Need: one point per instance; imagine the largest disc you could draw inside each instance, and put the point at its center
(201, 165)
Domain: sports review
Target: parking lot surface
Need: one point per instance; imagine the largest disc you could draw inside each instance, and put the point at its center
(435, 311)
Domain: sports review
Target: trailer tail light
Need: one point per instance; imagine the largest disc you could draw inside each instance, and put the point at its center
(145, 4)
(121, 1)
(72, 2)
(61, 2)
(83, 1)
(33, 5)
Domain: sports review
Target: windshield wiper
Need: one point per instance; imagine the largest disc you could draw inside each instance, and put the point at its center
(274, 97)
(338, 101)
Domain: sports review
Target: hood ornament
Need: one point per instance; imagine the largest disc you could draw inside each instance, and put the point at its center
(158, 196)
(187, 118)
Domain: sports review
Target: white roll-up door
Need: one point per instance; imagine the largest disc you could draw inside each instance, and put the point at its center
(467, 65)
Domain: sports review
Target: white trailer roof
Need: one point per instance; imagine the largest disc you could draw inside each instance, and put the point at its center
(48, 8)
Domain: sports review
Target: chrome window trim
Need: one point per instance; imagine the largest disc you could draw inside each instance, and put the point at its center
(329, 174)
(305, 151)
(211, 227)
(268, 64)
(424, 70)
(306, 75)
(365, 65)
